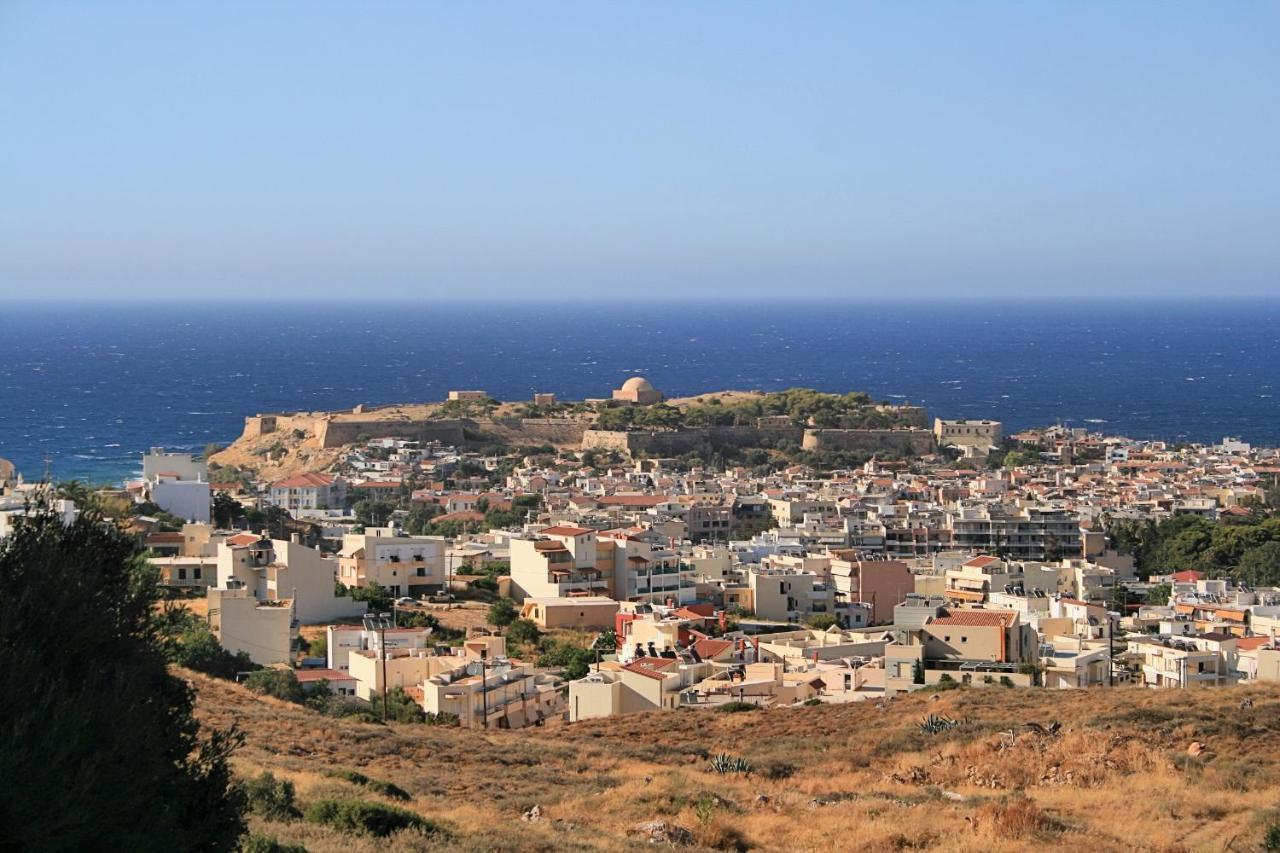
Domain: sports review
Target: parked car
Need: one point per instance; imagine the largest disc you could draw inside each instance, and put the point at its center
(440, 598)
(402, 601)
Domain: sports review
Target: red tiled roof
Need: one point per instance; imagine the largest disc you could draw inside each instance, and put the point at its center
(979, 562)
(306, 676)
(708, 649)
(565, 530)
(1189, 575)
(310, 479)
(650, 667)
(977, 618)
(245, 538)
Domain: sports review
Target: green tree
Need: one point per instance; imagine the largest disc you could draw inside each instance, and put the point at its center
(225, 510)
(375, 595)
(373, 513)
(1159, 594)
(418, 521)
(107, 750)
(400, 707)
(523, 632)
(503, 612)
(280, 683)
(821, 621)
(1260, 565)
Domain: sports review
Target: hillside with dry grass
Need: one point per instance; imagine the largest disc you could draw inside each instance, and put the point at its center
(1121, 774)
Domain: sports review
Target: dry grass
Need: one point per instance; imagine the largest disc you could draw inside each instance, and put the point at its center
(861, 777)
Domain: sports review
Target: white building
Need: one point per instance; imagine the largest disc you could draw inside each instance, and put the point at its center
(178, 483)
(277, 570)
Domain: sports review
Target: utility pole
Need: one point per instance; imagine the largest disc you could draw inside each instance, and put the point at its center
(484, 690)
(379, 623)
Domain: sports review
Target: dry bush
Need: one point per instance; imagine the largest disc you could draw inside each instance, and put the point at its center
(1015, 818)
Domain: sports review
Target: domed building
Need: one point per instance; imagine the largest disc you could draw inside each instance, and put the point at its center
(638, 391)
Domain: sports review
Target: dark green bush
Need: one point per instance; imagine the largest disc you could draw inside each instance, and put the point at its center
(269, 797)
(268, 844)
(280, 683)
(737, 707)
(367, 817)
(387, 789)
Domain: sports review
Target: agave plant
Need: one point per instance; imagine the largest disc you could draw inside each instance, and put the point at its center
(936, 724)
(725, 763)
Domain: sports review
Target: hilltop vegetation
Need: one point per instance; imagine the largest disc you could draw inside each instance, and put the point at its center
(800, 406)
(1246, 550)
(859, 776)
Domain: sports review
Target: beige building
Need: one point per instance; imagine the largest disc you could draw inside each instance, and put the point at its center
(264, 631)
(497, 694)
(308, 491)
(460, 396)
(593, 612)
(638, 391)
(278, 570)
(967, 433)
(403, 565)
(646, 684)
(572, 562)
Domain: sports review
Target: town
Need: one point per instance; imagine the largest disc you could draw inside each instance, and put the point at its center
(840, 552)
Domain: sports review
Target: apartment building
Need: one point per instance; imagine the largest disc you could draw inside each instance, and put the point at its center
(498, 694)
(275, 570)
(308, 491)
(403, 565)
(1025, 533)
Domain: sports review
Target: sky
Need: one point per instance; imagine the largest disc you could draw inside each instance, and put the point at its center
(714, 150)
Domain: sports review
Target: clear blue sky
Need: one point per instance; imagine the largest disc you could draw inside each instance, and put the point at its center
(553, 150)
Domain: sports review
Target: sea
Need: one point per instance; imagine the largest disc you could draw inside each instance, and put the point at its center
(86, 389)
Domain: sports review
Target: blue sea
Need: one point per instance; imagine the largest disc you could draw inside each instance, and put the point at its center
(90, 387)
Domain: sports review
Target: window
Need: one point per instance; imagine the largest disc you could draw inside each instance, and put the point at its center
(195, 573)
(947, 638)
(964, 639)
(182, 574)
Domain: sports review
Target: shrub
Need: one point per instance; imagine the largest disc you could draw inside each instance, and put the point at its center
(503, 612)
(821, 621)
(280, 683)
(1271, 839)
(737, 707)
(268, 844)
(523, 632)
(366, 817)
(400, 707)
(269, 797)
(387, 789)
(778, 770)
(193, 645)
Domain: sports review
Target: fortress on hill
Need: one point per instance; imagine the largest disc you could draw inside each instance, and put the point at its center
(473, 418)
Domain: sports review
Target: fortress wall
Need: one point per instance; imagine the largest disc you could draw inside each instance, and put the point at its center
(920, 441)
(557, 431)
(337, 433)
